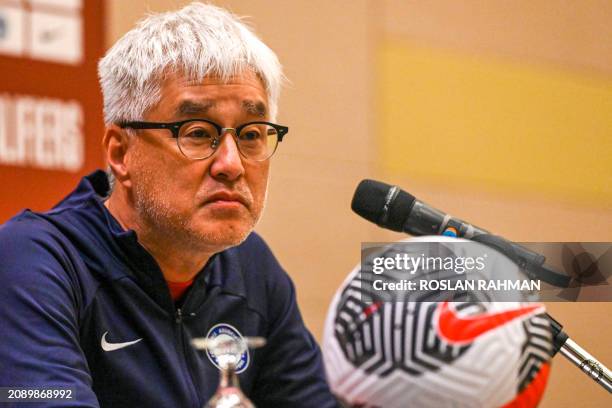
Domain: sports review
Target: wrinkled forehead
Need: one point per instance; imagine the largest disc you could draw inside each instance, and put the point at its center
(191, 77)
(255, 105)
(182, 96)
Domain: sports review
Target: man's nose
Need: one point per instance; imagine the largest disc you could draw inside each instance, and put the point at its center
(227, 162)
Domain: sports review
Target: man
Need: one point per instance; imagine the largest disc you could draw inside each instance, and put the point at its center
(103, 294)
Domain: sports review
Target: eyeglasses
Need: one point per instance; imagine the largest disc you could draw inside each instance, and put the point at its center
(198, 139)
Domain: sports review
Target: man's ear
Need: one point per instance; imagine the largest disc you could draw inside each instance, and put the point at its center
(116, 142)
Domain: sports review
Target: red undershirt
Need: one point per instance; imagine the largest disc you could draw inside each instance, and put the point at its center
(178, 289)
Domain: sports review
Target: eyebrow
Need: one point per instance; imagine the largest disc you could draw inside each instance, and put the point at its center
(254, 108)
(192, 108)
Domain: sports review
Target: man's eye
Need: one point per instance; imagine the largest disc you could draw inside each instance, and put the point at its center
(250, 135)
(197, 133)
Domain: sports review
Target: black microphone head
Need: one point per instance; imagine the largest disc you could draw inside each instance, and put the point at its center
(385, 205)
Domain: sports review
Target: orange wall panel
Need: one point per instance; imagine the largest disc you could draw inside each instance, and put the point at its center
(50, 104)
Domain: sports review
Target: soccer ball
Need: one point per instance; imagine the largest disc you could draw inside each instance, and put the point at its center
(404, 352)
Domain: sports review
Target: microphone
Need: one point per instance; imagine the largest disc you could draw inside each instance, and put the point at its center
(393, 208)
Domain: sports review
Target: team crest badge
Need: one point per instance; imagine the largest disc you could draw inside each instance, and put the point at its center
(225, 331)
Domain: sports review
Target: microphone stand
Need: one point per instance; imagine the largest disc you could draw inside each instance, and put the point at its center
(578, 356)
(443, 224)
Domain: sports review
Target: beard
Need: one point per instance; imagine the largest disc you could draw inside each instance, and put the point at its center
(162, 221)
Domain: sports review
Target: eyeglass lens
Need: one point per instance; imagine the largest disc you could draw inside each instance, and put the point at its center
(199, 140)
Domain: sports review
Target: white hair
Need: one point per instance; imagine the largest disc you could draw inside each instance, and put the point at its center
(196, 41)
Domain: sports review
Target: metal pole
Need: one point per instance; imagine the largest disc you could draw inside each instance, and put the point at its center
(587, 363)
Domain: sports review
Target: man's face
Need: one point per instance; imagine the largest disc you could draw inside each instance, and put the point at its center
(208, 204)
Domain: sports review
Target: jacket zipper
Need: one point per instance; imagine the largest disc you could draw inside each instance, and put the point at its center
(179, 326)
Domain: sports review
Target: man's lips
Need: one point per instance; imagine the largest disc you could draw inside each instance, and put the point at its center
(226, 197)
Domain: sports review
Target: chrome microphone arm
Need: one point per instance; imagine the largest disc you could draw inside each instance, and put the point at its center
(588, 364)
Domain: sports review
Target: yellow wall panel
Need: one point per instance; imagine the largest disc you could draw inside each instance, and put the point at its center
(461, 118)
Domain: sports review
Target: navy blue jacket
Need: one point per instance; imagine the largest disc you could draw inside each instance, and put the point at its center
(71, 276)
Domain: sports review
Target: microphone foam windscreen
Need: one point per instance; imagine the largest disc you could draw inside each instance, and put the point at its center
(370, 199)
(399, 211)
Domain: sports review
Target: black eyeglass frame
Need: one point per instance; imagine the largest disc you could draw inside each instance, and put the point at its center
(175, 128)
